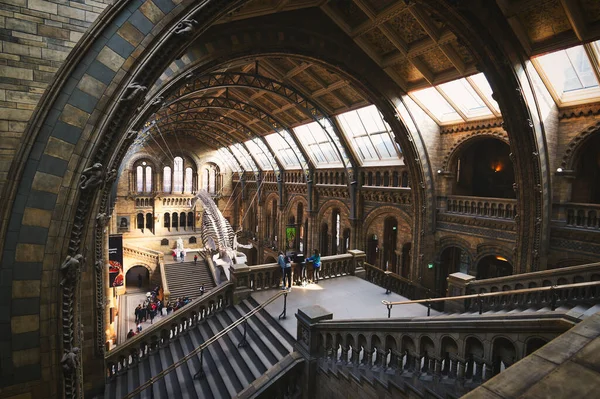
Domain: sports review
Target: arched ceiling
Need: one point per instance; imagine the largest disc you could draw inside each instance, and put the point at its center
(407, 43)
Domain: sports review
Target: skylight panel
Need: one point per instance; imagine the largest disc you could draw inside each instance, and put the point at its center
(371, 137)
(570, 75)
(283, 150)
(484, 88)
(243, 157)
(436, 105)
(262, 154)
(465, 97)
(317, 144)
(229, 159)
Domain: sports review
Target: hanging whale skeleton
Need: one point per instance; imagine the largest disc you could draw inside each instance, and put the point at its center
(218, 236)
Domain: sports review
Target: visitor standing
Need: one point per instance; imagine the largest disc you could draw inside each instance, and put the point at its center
(288, 272)
(195, 259)
(316, 260)
(174, 256)
(202, 290)
(182, 256)
(281, 262)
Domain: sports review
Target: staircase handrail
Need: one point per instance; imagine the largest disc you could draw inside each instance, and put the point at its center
(204, 345)
(165, 283)
(428, 301)
(422, 289)
(135, 340)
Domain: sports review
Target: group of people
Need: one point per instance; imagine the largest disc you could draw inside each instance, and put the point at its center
(285, 262)
(153, 306)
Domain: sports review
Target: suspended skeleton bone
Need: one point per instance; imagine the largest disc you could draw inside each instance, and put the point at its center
(216, 232)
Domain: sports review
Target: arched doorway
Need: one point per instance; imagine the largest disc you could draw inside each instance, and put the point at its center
(137, 278)
(390, 237)
(586, 189)
(452, 260)
(372, 244)
(484, 169)
(493, 266)
(324, 240)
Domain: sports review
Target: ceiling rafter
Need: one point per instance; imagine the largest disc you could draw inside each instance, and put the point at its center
(576, 19)
(378, 19)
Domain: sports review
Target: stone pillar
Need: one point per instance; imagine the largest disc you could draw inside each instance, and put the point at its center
(357, 265)
(308, 344)
(240, 274)
(457, 285)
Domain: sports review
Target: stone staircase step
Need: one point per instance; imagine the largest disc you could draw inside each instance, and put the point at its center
(253, 334)
(170, 380)
(220, 386)
(158, 388)
(278, 340)
(207, 385)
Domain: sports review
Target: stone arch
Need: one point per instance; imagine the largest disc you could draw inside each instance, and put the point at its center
(491, 249)
(383, 210)
(330, 204)
(575, 146)
(453, 241)
(104, 129)
(464, 142)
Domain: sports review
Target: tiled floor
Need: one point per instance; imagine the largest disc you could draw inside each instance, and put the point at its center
(346, 297)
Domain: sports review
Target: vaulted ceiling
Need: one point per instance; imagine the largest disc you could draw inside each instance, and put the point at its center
(408, 44)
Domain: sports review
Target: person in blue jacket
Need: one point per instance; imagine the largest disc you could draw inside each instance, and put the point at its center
(316, 260)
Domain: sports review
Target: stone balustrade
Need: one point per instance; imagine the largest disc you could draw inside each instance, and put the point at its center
(385, 177)
(147, 255)
(144, 202)
(544, 278)
(268, 276)
(128, 354)
(457, 352)
(583, 216)
(396, 283)
(499, 208)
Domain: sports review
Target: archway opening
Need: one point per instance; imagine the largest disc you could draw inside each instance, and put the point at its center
(484, 169)
(493, 266)
(324, 239)
(137, 279)
(452, 260)
(585, 189)
(390, 238)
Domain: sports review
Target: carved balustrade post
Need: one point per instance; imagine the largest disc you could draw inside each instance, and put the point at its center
(478, 376)
(368, 357)
(453, 367)
(240, 274)
(344, 358)
(356, 265)
(457, 286)
(489, 371)
(431, 366)
(460, 373)
(437, 374)
(307, 343)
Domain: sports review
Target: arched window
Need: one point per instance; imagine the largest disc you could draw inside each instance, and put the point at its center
(167, 179)
(139, 179)
(148, 187)
(149, 221)
(190, 219)
(189, 180)
(175, 220)
(167, 222)
(336, 233)
(212, 181)
(178, 175)
(140, 221)
(206, 180)
(182, 219)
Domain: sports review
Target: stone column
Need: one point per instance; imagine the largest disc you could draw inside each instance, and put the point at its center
(357, 265)
(308, 344)
(457, 286)
(240, 274)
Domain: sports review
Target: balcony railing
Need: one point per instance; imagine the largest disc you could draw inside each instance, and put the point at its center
(160, 333)
(396, 283)
(583, 216)
(498, 208)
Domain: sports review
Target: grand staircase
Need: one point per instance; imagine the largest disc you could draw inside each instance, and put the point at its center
(185, 279)
(228, 369)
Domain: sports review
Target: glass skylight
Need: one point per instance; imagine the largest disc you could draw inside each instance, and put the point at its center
(371, 137)
(229, 159)
(570, 74)
(282, 146)
(243, 157)
(261, 154)
(432, 102)
(484, 88)
(464, 96)
(317, 144)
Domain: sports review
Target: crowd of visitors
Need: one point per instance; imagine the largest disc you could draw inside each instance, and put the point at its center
(285, 262)
(154, 307)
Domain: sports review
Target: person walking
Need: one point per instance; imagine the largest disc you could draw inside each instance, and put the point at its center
(174, 256)
(195, 259)
(281, 263)
(138, 313)
(182, 256)
(316, 260)
(202, 290)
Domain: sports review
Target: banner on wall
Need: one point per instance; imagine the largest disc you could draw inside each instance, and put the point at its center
(115, 260)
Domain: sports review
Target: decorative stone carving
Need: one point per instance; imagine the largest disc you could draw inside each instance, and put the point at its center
(111, 176)
(69, 270)
(157, 101)
(133, 90)
(185, 27)
(70, 361)
(102, 219)
(91, 177)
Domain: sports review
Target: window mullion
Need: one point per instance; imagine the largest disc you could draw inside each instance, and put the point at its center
(593, 58)
(483, 98)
